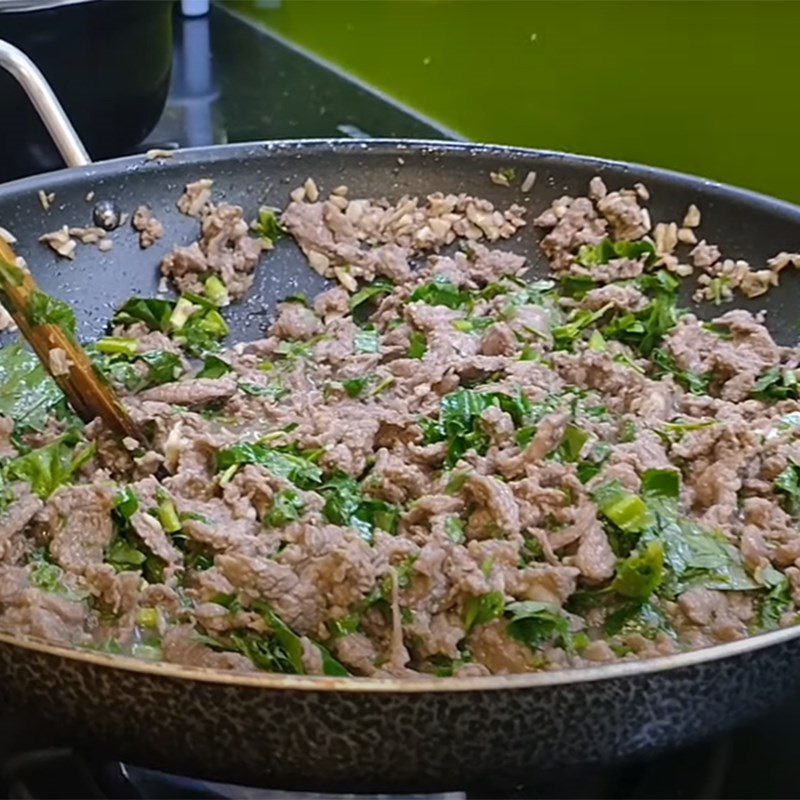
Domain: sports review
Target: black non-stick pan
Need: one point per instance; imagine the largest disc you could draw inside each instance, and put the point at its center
(361, 734)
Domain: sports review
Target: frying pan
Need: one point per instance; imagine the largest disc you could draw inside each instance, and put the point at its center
(359, 733)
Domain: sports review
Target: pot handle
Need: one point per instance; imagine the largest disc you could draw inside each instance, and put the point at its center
(51, 112)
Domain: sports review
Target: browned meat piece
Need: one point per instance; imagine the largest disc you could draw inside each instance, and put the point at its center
(295, 321)
(18, 514)
(150, 229)
(194, 393)
(195, 197)
(81, 526)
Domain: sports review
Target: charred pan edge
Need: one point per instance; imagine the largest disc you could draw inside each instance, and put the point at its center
(101, 171)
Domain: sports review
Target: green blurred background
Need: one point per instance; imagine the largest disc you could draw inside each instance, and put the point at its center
(703, 87)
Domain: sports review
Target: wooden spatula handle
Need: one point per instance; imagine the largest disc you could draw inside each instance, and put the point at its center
(88, 394)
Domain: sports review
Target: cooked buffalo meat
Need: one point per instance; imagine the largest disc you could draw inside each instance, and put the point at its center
(438, 466)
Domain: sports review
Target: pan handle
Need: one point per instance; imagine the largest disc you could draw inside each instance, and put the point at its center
(52, 113)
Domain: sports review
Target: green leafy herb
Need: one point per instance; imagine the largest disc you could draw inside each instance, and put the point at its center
(214, 367)
(117, 346)
(193, 322)
(216, 291)
(643, 330)
(661, 483)
(535, 624)
(46, 576)
(28, 396)
(640, 574)
(665, 365)
(473, 324)
(279, 650)
(367, 340)
(287, 506)
(345, 505)
(355, 386)
(636, 616)
(298, 469)
(275, 393)
(623, 508)
(267, 226)
(774, 604)
(572, 442)
(606, 250)
(202, 332)
(478, 610)
(417, 344)
(363, 301)
(126, 503)
(564, 335)
(442, 292)
(460, 418)
(344, 626)
(46, 310)
(775, 384)
(693, 557)
(787, 484)
(454, 528)
(50, 466)
(152, 312)
(576, 286)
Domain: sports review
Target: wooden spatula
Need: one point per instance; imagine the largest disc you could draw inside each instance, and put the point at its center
(37, 317)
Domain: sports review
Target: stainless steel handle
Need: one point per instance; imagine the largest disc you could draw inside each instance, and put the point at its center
(46, 103)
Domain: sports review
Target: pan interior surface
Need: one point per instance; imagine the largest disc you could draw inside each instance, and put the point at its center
(749, 226)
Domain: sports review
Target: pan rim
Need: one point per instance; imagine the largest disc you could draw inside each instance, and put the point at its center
(307, 683)
(410, 686)
(432, 147)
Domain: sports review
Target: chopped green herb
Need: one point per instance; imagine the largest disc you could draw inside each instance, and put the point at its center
(28, 396)
(152, 312)
(216, 291)
(345, 505)
(478, 610)
(460, 418)
(454, 528)
(298, 469)
(267, 226)
(665, 365)
(661, 483)
(626, 510)
(580, 319)
(534, 624)
(787, 484)
(441, 292)
(363, 301)
(50, 466)
(214, 367)
(117, 345)
(571, 445)
(606, 250)
(46, 310)
(355, 386)
(367, 340)
(636, 616)
(286, 506)
(640, 574)
(776, 602)
(775, 384)
(46, 576)
(417, 344)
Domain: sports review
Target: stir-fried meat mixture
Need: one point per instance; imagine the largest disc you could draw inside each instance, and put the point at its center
(436, 466)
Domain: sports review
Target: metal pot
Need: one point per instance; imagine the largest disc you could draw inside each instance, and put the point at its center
(109, 61)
